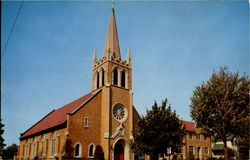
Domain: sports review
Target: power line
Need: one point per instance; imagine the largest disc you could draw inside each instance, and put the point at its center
(11, 30)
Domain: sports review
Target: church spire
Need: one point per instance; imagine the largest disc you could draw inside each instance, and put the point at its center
(111, 47)
(111, 70)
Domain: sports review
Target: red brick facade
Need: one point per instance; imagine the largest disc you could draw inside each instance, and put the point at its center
(104, 117)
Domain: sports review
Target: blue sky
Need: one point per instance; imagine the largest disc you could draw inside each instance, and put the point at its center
(175, 46)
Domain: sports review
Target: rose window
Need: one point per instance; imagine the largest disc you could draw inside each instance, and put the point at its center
(120, 112)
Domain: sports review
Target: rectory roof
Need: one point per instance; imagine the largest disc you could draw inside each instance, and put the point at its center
(189, 126)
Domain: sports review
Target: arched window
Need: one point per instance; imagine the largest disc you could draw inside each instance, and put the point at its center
(91, 150)
(53, 145)
(103, 77)
(123, 79)
(97, 80)
(77, 150)
(27, 150)
(115, 76)
(33, 149)
(42, 142)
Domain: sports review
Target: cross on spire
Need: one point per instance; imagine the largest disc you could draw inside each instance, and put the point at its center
(113, 3)
(112, 44)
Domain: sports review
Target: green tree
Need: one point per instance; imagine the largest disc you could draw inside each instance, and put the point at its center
(2, 145)
(159, 129)
(221, 106)
(10, 151)
(99, 154)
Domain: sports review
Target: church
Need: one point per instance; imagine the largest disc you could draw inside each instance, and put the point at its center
(105, 116)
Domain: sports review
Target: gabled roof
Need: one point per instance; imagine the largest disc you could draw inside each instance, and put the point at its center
(57, 117)
(189, 126)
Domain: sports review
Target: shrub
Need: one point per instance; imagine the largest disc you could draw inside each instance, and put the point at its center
(99, 154)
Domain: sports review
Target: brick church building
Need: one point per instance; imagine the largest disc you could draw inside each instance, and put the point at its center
(104, 117)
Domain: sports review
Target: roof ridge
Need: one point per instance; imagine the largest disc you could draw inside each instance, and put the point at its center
(38, 122)
(81, 105)
(72, 101)
(48, 121)
(187, 121)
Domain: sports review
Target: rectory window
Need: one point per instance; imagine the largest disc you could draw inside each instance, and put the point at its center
(198, 137)
(190, 135)
(191, 149)
(206, 150)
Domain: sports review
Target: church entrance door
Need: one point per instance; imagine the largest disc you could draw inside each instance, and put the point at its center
(119, 150)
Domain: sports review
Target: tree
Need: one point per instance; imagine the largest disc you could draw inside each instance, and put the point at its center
(159, 129)
(221, 106)
(243, 147)
(99, 154)
(10, 151)
(2, 145)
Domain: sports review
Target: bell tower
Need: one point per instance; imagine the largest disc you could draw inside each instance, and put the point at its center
(113, 76)
(111, 69)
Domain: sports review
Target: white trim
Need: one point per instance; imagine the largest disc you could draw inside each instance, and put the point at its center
(117, 141)
(66, 133)
(34, 150)
(93, 150)
(27, 146)
(126, 112)
(42, 147)
(80, 150)
(113, 147)
(86, 121)
(53, 145)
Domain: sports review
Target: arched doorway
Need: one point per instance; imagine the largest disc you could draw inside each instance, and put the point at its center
(119, 150)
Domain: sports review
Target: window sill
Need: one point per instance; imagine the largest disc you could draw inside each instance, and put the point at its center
(54, 156)
(43, 156)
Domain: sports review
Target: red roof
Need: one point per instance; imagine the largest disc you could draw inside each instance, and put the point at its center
(189, 126)
(57, 117)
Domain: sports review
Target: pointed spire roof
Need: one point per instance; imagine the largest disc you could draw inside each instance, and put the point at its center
(112, 43)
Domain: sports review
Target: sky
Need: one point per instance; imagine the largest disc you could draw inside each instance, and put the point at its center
(175, 46)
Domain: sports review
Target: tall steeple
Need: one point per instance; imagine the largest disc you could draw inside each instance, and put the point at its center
(111, 70)
(111, 47)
